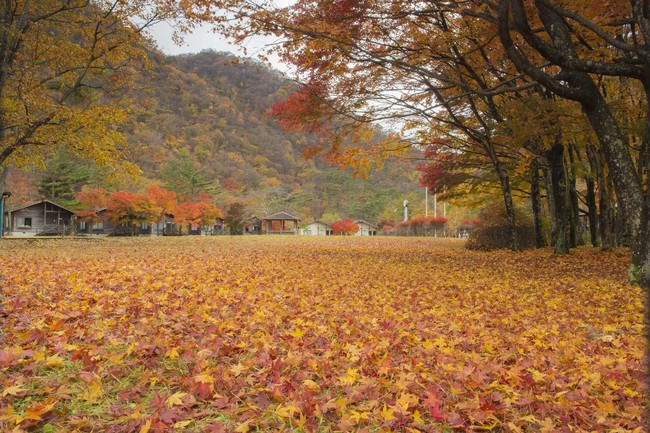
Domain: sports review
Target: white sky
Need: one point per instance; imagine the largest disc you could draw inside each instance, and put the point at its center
(203, 38)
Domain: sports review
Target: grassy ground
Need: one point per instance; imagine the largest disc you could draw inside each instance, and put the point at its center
(262, 333)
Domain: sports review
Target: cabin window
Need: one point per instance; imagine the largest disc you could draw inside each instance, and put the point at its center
(27, 222)
(98, 226)
(82, 225)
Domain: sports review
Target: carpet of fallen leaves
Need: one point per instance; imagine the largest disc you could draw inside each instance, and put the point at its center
(310, 334)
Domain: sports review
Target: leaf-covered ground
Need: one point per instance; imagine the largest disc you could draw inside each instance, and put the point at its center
(315, 334)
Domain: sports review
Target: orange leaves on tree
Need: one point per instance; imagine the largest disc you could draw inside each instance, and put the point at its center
(344, 227)
(92, 201)
(301, 110)
(161, 199)
(126, 207)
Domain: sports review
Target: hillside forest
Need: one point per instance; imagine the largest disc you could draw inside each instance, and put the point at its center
(199, 125)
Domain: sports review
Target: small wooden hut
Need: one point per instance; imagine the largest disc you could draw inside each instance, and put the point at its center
(43, 217)
(280, 223)
(365, 228)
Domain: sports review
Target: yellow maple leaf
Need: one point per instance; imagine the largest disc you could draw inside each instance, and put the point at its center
(145, 428)
(243, 427)
(204, 378)
(310, 385)
(9, 414)
(35, 412)
(417, 418)
(53, 361)
(176, 399)
(358, 416)
(298, 333)
(387, 413)
(538, 376)
(547, 426)
(237, 369)
(172, 353)
(93, 392)
(12, 390)
(407, 400)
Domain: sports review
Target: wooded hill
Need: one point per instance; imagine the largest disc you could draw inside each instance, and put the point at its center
(210, 111)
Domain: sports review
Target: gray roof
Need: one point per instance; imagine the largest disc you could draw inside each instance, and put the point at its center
(281, 216)
(42, 201)
(365, 222)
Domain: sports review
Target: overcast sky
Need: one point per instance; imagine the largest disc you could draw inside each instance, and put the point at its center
(202, 38)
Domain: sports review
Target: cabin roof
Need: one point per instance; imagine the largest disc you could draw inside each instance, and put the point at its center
(42, 201)
(281, 216)
(364, 222)
(320, 222)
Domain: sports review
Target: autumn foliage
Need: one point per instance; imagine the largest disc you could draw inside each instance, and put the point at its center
(328, 334)
(133, 210)
(419, 226)
(344, 227)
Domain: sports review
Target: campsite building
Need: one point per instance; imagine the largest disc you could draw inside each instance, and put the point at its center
(43, 217)
(365, 228)
(317, 228)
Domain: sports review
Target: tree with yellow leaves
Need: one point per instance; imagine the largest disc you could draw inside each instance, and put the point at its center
(63, 66)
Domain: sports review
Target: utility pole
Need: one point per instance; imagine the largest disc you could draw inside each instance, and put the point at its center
(426, 201)
(3, 196)
(435, 205)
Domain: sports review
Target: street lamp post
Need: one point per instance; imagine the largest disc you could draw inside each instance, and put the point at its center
(3, 197)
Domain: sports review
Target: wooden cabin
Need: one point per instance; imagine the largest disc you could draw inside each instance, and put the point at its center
(365, 228)
(280, 223)
(43, 217)
(317, 228)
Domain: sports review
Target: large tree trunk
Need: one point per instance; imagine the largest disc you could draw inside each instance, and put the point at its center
(576, 226)
(562, 215)
(504, 181)
(593, 211)
(592, 206)
(550, 202)
(640, 267)
(621, 167)
(535, 196)
(604, 201)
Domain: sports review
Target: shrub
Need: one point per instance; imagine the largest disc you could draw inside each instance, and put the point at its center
(492, 231)
(421, 226)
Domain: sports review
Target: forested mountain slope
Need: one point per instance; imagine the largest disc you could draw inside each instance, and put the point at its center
(205, 116)
(213, 108)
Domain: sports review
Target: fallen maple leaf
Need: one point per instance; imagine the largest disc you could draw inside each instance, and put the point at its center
(12, 390)
(175, 399)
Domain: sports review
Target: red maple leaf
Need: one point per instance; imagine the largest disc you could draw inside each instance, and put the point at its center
(432, 402)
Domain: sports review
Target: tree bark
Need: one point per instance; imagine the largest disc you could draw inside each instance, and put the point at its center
(562, 215)
(535, 196)
(550, 202)
(621, 167)
(592, 206)
(640, 267)
(593, 211)
(578, 86)
(576, 227)
(604, 200)
(504, 181)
